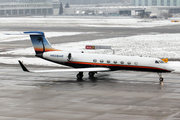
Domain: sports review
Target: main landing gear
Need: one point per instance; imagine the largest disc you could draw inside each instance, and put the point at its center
(80, 75)
(160, 79)
(91, 74)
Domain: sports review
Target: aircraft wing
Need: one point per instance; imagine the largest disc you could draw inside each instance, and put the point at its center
(93, 69)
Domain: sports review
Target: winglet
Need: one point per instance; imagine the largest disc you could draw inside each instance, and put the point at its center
(23, 67)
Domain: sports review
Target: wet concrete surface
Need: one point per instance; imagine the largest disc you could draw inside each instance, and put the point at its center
(110, 95)
(119, 95)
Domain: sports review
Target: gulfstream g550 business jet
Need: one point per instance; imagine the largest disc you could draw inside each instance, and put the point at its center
(92, 63)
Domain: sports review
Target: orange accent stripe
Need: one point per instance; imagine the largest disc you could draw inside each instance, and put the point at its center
(46, 50)
(117, 65)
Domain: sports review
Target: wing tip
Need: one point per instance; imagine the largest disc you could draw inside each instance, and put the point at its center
(23, 66)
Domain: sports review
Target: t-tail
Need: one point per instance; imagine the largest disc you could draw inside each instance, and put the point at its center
(40, 43)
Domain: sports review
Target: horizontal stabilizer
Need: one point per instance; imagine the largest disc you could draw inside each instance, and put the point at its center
(93, 69)
(26, 33)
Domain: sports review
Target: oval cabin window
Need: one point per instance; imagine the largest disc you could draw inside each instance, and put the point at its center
(108, 61)
(122, 62)
(94, 60)
(115, 62)
(129, 63)
(136, 63)
(101, 61)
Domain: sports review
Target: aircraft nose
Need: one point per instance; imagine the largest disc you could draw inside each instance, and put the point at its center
(170, 68)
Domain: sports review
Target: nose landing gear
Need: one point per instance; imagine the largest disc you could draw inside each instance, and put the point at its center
(160, 79)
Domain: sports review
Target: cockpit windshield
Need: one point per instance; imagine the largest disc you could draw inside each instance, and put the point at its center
(161, 61)
(158, 61)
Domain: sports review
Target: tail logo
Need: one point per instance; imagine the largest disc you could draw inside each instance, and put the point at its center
(40, 39)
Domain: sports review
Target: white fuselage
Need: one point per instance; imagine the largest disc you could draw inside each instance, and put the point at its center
(114, 62)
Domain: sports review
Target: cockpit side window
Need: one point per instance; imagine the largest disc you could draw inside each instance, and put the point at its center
(157, 61)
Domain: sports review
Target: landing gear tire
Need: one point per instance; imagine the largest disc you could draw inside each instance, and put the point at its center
(91, 74)
(79, 76)
(161, 81)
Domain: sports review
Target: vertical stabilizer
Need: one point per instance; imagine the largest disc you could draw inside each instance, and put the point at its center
(40, 43)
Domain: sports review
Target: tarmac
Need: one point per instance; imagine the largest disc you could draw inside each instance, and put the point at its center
(119, 95)
(110, 95)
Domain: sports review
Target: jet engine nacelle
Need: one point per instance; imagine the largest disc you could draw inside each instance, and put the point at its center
(58, 56)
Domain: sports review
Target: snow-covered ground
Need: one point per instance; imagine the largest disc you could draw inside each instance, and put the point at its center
(10, 38)
(159, 45)
(86, 21)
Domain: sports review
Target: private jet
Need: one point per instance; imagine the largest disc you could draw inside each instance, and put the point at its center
(92, 63)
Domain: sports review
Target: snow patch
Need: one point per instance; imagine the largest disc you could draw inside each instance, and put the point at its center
(161, 46)
(10, 38)
(86, 21)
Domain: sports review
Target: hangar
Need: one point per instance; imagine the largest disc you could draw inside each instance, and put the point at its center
(138, 7)
(155, 2)
(25, 9)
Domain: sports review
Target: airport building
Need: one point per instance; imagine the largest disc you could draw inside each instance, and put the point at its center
(113, 9)
(25, 9)
(157, 6)
(143, 11)
(155, 2)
